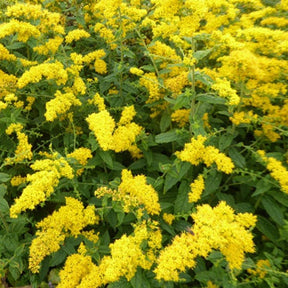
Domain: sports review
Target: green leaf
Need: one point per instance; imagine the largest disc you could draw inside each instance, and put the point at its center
(225, 141)
(138, 164)
(106, 157)
(3, 190)
(182, 205)
(182, 100)
(165, 121)
(273, 209)
(237, 158)
(198, 55)
(122, 283)
(139, 280)
(166, 137)
(4, 177)
(267, 228)
(281, 197)
(262, 186)
(212, 182)
(208, 98)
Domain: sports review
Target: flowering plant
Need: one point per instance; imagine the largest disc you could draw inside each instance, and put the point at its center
(143, 143)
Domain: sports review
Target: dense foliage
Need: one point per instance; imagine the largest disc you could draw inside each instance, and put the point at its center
(144, 143)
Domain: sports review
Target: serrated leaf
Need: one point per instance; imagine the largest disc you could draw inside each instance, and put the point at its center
(273, 209)
(212, 99)
(262, 186)
(4, 177)
(139, 280)
(212, 182)
(106, 157)
(165, 122)
(181, 203)
(166, 137)
(225, 141)
(122, 283)
(267, 228)
(237, 158)
(198, 55)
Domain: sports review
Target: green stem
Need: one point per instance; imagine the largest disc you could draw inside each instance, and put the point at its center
(147, 50)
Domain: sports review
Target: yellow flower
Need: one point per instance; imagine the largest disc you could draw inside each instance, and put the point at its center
(136, 71)
(60, 105)
(24, 149)
(168, 218)
(277, 170)
(42, 183)
(223, 87)
(137, 188)
(54, 71)
(197, 188)
(102, 125)
(51, 46)
(75, 35)
(213, 228)
(76, 267)
(181, 117)
(195, 153)
(69, 220)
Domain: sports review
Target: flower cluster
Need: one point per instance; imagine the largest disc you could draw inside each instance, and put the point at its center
(118, 139)
(68, 220)
(213, 228)
(42, 183)
(195, 153)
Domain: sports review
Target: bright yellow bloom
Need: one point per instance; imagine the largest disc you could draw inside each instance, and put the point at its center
(97, 100)
(135, 187)
(24, 30)
(197, 188)
(54, 71)
(81, 155)
(42, 183)
(120, 139)
(17, 180)
(24, 149)
(69, 220)
(195, 153)
(75, 35)
(60, 105)
(277, 170)
(168, 218)
(102, 125)
(261, 268)
(50, 47)
(181, 117)
(136, 71)
(213, 228)
(5, 54)
(223, 87)
(75, 269)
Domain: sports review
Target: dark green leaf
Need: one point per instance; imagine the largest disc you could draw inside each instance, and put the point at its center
(212, 99)
(225, 141)
(165, 122)
(106, 157)
(4, 177)
(273, 209)
(198, 55)
(212, 182)
(139, 280)
(166, 137)
(237, 158)
(182, 205)
(262, 186)
(267, 228)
